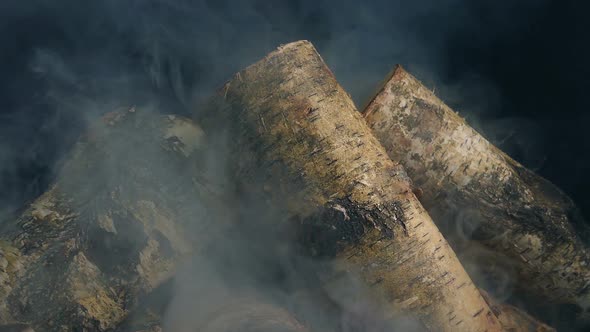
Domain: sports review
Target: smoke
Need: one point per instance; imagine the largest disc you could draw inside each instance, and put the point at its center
(179, 50)
(66, 63)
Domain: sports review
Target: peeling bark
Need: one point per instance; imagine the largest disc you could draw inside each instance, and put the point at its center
(301, 144)
(111, 228)
(519, 215)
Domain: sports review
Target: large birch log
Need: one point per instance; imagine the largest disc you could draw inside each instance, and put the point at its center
(516, 213)
(112, 227)
(220, 310)
(301, 144)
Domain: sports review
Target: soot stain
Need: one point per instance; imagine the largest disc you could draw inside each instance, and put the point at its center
(342, 223)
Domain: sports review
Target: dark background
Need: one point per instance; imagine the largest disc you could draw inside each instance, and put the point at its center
(518, 72)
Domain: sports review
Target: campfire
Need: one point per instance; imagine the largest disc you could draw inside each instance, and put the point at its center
(280, 206)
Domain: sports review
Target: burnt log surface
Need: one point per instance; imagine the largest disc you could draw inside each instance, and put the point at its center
(300, 143)
(111, 228)
(524, 219)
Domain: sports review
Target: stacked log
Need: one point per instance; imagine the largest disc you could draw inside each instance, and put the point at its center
(302, 145)
(520, 216)
(112, 226)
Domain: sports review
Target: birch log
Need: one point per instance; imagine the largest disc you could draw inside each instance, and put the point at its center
(224, 312)
(111, 228)
(300, 143)
(518, 214)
